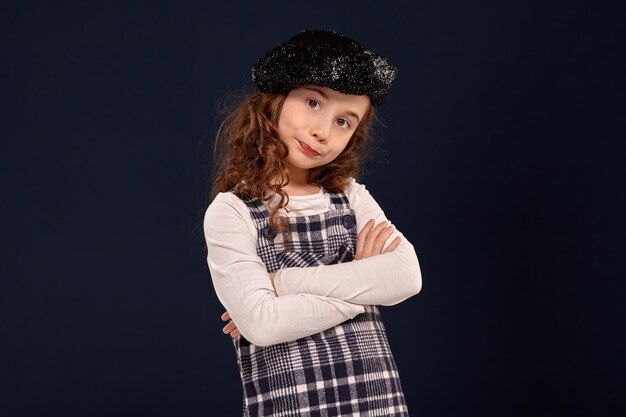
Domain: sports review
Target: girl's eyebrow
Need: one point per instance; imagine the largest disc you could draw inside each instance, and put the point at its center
(321, 93)
(317, 90)
(353, 114)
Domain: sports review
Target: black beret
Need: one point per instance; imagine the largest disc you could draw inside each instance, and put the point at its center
(326, 59)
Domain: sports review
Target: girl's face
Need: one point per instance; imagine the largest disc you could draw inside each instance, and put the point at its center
(316, 124)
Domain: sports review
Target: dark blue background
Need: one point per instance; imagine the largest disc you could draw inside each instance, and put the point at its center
(500, 158)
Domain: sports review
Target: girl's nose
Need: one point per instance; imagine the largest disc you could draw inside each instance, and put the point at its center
(320, 132)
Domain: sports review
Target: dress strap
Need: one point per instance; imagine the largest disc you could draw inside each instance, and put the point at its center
(338, 200)
(258, 211)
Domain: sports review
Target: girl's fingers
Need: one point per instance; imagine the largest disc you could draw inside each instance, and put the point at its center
(229, 327)
(379, 243)
(393, 245)
(371, 239)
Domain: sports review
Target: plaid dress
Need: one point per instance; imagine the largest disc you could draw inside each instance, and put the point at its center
(347, 370)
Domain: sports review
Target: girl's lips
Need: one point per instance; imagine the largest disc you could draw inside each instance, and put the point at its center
(308, 149)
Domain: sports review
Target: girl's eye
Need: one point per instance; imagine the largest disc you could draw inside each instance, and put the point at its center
(343, 123)
(313, 104)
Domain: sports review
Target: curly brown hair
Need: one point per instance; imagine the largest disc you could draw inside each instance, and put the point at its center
(248, 154)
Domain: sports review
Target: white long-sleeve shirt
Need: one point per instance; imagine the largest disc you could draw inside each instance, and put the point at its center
(310, 300)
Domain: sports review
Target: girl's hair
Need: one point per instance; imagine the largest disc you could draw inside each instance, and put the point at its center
(248, 154)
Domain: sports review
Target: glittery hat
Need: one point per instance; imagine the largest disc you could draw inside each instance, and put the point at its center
(325, 59)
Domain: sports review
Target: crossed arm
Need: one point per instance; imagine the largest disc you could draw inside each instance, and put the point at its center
(370, 242)
(298, 302)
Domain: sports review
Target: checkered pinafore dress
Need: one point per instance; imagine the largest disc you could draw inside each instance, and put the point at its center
(345, 370)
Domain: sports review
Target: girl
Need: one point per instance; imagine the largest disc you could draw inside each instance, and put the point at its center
(300, 254)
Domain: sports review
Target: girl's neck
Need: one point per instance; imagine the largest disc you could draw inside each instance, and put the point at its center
(299, 183)
(302, 189)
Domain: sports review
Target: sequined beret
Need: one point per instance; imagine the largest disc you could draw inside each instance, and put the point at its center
(325, 59)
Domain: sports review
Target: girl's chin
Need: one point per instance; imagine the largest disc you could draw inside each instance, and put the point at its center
(301, 165)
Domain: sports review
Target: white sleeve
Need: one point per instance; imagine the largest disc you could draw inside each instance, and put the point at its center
(385, 279)
(243, 286)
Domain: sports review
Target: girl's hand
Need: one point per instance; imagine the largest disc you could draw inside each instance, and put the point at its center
(371, 240)
(230, 327)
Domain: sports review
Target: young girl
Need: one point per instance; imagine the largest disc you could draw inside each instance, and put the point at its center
(300, 254)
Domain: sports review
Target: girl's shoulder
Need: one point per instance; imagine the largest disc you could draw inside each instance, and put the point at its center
(356, 192)
(228, 212)
(226, 204)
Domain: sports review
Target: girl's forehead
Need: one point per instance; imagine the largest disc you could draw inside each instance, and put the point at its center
(325, 89)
